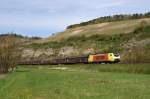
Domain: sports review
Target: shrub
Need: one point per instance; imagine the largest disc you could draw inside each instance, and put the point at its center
(137, 54)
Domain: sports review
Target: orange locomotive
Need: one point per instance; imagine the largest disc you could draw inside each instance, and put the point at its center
(104, 58)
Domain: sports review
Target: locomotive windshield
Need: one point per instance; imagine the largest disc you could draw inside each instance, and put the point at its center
(116, 55)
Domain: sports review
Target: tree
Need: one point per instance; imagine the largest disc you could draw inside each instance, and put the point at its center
(9, 54)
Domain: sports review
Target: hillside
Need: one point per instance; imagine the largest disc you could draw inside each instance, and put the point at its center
(114, 18)
(107, 28)
(129, 38)
(127, 35)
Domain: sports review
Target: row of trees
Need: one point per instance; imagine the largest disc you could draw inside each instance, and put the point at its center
(9, 54)
(111, 19)
(19, 36)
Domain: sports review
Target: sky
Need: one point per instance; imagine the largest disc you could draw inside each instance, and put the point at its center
(45, 17)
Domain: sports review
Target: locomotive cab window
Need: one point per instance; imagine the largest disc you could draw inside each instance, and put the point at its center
(116, 55)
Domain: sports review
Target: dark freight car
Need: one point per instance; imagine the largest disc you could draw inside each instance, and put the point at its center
(74, 60)
(70, 60)
(35, 62)
(58, 61)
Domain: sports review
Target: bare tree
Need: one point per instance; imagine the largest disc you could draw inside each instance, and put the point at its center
(9, 54)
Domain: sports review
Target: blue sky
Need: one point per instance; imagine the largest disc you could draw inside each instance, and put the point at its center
(44, 17)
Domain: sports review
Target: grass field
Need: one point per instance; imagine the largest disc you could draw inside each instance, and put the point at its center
(77, 82)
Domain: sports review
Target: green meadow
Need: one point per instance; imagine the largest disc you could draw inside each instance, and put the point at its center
(117, 81)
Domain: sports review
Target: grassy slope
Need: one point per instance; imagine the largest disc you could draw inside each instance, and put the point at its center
(43, 83)
(102, 43)
(108, 28)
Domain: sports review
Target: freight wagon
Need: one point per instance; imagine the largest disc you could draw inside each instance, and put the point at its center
(70, 60)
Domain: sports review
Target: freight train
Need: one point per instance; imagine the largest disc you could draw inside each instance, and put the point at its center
(95, 58)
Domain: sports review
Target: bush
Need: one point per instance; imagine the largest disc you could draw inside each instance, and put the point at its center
(137, 54)
(9, 54)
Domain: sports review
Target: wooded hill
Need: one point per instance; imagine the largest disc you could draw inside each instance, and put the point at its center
(113, 18)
